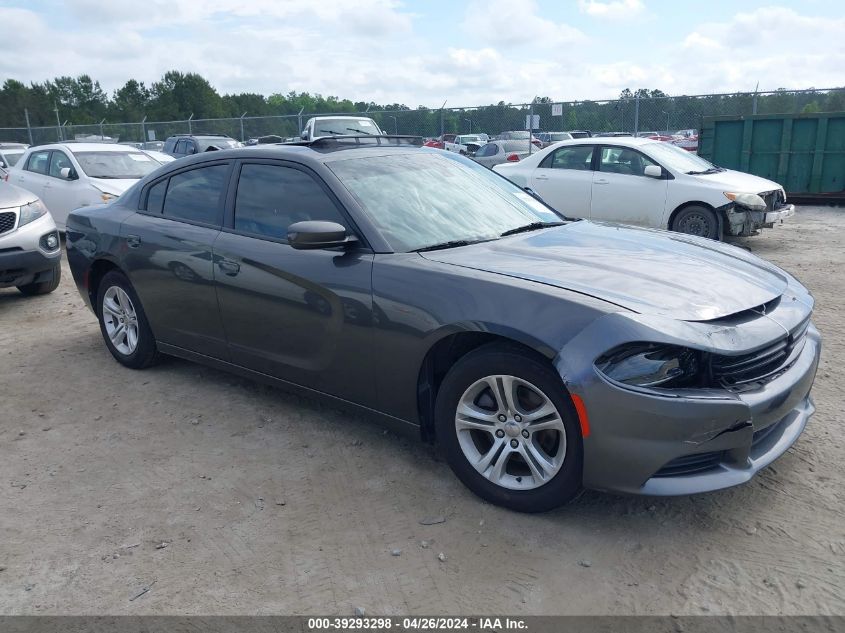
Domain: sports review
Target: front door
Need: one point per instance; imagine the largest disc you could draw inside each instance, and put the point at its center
(168, 255)
(304, 316)
(623, 193)
(564, 180)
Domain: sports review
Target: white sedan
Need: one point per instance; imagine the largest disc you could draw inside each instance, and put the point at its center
(67, 176)
(648, 183)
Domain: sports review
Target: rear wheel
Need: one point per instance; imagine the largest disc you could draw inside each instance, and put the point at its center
(44, 287)
(123, 323)
(508, 430)
(697, 220)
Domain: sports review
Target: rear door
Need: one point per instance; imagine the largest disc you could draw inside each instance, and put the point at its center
(304, 316)
(564, 180)
(168, 256)
(623, 193)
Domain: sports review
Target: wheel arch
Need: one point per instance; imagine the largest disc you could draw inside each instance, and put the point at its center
(99, 268)
(451, 345)
(720, 213)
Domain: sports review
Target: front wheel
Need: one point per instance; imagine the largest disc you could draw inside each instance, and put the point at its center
(123, 323)
(697, 220)
(44, 287)
(508, 430)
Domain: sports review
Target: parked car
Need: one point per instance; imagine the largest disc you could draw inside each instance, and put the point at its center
(67, 176)
(547, 138)
(10, 153)
(543, 354)
(580, 133)
(519, 135)
(160, 157)
(612, 134)
(320, 126)
(496, 152)
(182, 145)
(686, 139)
(652, 184)
(155, 146)
(30, 250)
(440, 141)
(464, 144)
(134, 144)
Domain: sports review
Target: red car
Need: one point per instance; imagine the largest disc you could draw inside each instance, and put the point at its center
(440, 141)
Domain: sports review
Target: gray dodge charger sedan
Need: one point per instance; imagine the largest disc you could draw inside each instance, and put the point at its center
(542, 354)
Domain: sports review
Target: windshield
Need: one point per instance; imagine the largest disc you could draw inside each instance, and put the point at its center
(677, 159)
(336, 127)
(463, 140)
(115, 165)
(12, 156)
(419, 200)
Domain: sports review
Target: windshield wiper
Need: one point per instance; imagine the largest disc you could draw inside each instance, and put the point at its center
(332, 132)
(451, 244)
(355, 129)
(534, 226)
(711, 170)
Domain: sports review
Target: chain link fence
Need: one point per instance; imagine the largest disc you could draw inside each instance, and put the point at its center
(632, 115)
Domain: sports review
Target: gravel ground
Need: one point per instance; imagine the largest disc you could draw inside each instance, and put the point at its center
(222, 496)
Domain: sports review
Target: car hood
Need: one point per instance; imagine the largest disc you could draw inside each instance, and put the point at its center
(115, 187)
(739, 182)
(643, 270)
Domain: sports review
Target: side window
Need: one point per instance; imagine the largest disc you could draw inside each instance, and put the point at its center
(271, 197)
(38, 162)
(181, 147)
(578, 157)
(59, 161)
(155, 197)
(623, 160)
(197, 195)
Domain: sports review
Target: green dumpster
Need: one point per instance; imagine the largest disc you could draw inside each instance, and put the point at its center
(803, 152)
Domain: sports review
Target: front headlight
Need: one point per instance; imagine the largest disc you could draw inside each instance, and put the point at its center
(32, 211)
(748, 200)
(651, 365)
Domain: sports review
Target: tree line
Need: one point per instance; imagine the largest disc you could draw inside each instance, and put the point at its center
(177, 96)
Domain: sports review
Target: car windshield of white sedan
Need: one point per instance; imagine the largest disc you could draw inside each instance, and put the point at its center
(115, 165)
(423, 200)
(677, 159)
(12, 156)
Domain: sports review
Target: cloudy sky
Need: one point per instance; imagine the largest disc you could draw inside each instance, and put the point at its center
(422, 52)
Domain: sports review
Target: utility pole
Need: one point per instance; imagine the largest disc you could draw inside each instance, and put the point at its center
(441, 118)
(395, 124)
(190, 129)
(102, 136)
(58, 122)
(636, 113)
(28, 126)
(242, 126)
(530, 125)
(144, 129)
(299, 120)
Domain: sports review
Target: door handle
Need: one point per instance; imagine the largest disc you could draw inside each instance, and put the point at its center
(602, 181)
(541, 177)
(133, 241)
(229, 267)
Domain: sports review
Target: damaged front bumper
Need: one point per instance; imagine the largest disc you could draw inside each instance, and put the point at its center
(742, 222)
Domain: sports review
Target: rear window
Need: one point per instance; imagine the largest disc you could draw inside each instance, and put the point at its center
(38, 162)
(12, 156)
(222, 143)
(337, 127)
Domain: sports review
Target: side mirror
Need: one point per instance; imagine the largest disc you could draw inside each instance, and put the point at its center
(653, 171)
(314, 234)
(68, 173)
(2, 163)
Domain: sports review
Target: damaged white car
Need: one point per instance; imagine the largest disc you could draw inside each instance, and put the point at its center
(647, 183)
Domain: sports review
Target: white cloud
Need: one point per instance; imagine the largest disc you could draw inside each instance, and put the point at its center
(515, 22)
(614, 10)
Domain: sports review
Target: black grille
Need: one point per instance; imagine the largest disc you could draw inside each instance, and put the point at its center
(691, 464)
(764, 364)
(7, 221)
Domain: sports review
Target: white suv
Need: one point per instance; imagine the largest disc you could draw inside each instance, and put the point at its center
(30, 251)
(67, 176)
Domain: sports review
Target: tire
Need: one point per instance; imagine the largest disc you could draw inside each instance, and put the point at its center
(509, 480)
(118, 306)
(697, 220)
(44, 287)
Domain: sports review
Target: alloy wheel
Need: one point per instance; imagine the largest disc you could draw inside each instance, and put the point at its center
(510, 432)
(120, 320)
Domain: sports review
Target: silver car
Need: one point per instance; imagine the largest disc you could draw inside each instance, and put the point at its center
(497, 152)
(30, 251)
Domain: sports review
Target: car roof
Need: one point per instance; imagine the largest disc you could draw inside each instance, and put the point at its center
(622, 141)
(344, 117)
(75, 148)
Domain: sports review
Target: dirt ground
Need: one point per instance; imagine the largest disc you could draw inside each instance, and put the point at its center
(222, 496)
